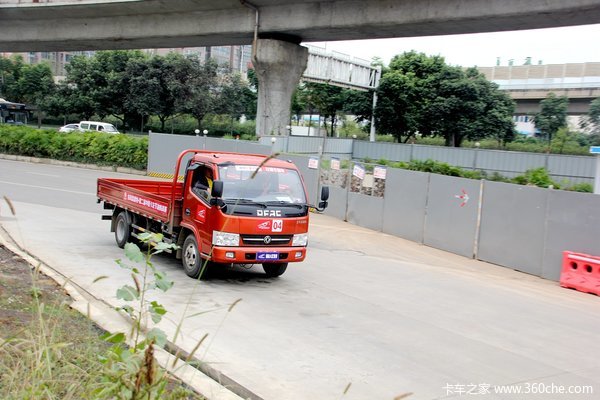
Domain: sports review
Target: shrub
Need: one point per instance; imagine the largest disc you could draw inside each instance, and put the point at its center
(536, 176)
(581, 187)
(93, 147)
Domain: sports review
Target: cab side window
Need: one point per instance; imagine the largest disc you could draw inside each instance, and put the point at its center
(202, 182)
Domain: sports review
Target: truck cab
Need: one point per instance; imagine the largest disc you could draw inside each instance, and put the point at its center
(244, 210)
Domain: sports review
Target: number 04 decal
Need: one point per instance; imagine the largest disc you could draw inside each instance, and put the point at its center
(277, 225)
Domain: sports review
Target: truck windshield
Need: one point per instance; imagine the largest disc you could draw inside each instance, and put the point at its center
(270, 184)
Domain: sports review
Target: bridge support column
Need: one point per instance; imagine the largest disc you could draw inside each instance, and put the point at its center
(278, 66)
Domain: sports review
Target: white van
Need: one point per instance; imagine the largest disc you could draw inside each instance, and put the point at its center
(90, 126)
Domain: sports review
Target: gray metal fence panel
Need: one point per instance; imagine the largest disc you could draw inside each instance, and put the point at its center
(310, 176)
(376, 151)
(574, 168)
(338, 146)
(509, 161)
(163, 149)
(448, 225)
(304, 145)
(458, 157)
(365, 211)
(278, 146)
(337, 203)
(573, 224)
(405, 200)
(512, 226)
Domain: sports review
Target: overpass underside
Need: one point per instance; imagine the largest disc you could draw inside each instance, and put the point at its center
(528, 101)
(121, 24)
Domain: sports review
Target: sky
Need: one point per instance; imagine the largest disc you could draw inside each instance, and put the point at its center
(575, 44)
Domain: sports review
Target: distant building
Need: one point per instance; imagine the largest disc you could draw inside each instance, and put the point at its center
(237, 58)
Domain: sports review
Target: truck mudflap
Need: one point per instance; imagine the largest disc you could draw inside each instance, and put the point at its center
(258, 255)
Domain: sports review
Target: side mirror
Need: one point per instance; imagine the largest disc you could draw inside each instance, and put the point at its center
(324, 197)
(217, 189)
(325, 193)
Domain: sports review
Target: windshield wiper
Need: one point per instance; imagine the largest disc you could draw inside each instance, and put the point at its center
(286, 204)
(245, 201)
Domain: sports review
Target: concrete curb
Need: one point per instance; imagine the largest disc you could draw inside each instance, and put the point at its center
(50, 161)
(111, 320)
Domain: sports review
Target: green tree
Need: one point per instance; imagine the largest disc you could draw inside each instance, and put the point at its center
(328, 101)
(151, 88)
(112, 84)
(35, 86)
(196, 87)
(591, 123)
(78, 89)
(359, 104)
(59, 103)
(594, 115)
(562, 139)
(235, 98)
(100, 85)
(422, 95)
(398, 109)
(406, 91)
(298, 102)
(11, 70)
(552, 116)
(468, 106)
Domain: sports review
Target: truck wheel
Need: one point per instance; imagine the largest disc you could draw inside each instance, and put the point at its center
(191, 260)
(275, 269)
(122, 229)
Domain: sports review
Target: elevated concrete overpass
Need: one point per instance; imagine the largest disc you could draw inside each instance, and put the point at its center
(51, 25)
(529, 84)
(275, 27)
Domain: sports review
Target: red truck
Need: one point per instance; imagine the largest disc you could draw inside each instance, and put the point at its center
(229, 208)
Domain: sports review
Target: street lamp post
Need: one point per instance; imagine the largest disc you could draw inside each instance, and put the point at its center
(273, 140)
(205, 133)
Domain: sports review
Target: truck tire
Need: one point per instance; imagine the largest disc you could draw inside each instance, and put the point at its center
(274, 269)
(122, 229)
(191, 260)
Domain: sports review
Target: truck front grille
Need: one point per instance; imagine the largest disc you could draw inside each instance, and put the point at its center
(266, 240)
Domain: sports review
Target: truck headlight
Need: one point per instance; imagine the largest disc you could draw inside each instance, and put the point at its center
(300, 239)
(225, 239)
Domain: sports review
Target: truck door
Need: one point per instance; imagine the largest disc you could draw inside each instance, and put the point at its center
(196, 203)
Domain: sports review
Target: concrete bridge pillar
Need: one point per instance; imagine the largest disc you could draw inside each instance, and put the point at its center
(278, 66)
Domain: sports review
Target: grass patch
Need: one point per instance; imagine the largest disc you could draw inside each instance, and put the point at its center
(48, 350)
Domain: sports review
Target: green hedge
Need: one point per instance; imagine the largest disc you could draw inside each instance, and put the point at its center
(96, 148)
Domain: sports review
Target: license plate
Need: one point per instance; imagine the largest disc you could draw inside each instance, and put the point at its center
(267, 256)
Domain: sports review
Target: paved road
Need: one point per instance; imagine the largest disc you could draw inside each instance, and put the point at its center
(385, 314)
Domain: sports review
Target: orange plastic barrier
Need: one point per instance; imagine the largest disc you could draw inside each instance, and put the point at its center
(580, 272)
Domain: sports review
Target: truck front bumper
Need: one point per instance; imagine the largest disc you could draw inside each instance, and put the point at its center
(257, 255)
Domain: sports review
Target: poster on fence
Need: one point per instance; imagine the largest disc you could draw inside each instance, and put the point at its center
(335, 163)
(358, 171)
(379, 172)
(313, 163)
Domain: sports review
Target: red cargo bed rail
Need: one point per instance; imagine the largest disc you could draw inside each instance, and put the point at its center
(153, 199)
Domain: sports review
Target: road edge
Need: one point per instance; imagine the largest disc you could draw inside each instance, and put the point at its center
(204, 381)
(51, 161)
